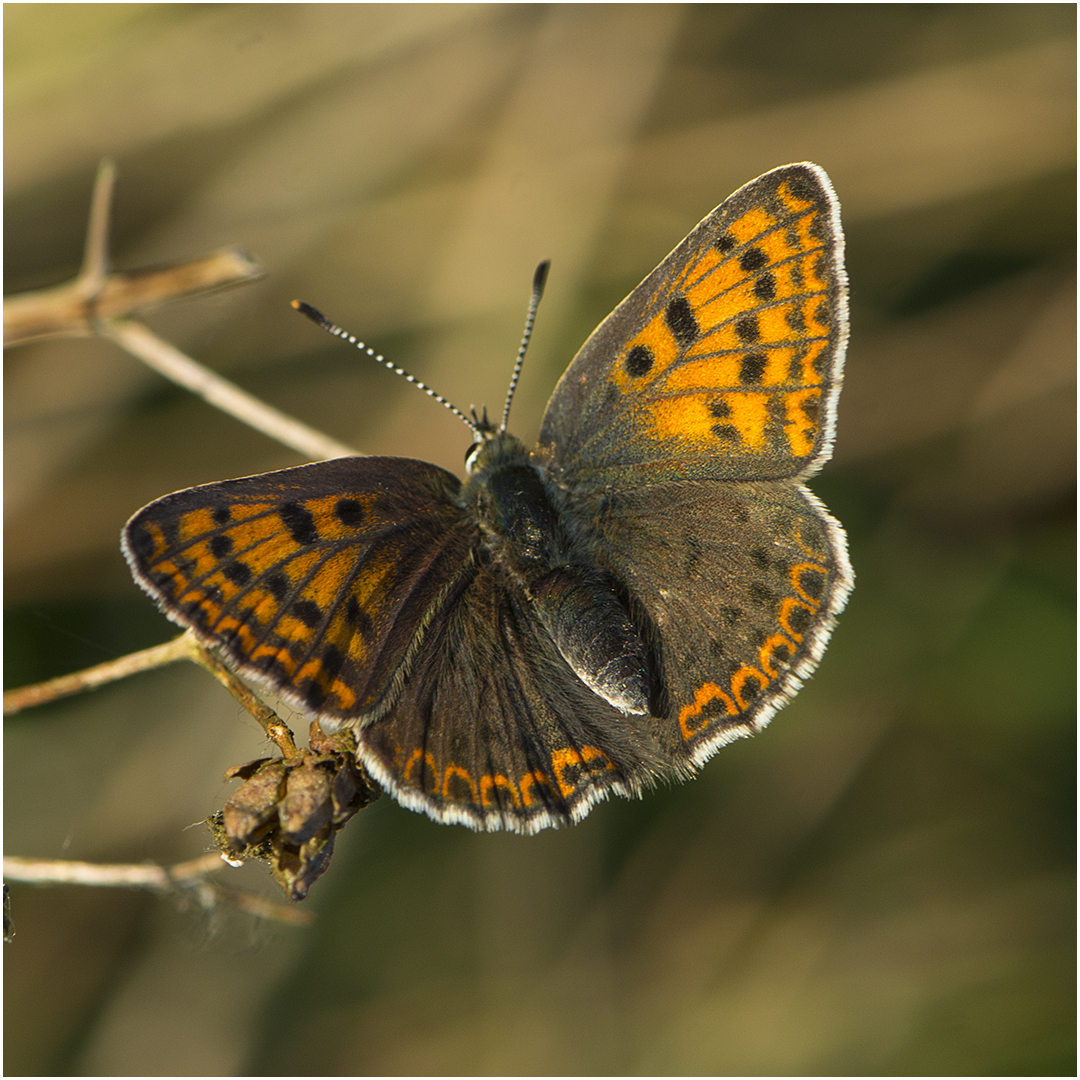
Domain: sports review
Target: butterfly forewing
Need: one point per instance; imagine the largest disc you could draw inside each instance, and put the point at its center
(317, 580)
(725, 362)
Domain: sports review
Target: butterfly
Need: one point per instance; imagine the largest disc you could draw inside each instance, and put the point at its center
(585, 617)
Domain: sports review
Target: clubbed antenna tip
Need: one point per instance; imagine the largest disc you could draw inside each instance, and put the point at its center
(540, 278)
(538, 283)
(313, 314)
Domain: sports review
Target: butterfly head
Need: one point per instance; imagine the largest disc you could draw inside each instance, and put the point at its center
(492, 444)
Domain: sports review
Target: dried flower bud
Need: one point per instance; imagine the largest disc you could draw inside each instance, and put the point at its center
(253, 807)
(288, 810)
(306, 808)
(296, 868)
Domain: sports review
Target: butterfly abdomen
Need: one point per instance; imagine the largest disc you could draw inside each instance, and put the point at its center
(580, 611)
(595, 636)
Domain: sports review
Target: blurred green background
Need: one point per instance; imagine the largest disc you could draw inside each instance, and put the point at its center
(881, 883)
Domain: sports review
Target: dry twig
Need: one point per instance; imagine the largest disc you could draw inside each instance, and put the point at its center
(180, 648)
(143, 343)
(99, 302)
(181, 879)
(72, 309)
(183, 647)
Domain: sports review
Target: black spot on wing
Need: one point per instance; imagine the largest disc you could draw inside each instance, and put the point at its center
(299, 522)
(679, 316)
(638, 361)
(220, 546)
(349, 512)
(308, 612)
(237, 572)
(141, 542)
(750, 689)
(714, 709)
(799, 619)
(803, 189)
(332, 661)
(277, 585)
(765, 287)
(273, 666)
(198, 614)
(314, 696)
(752, 367)
(747, 329)
(727, 433)
(752, 259)
(796, 319)
(359, 618)
(813, 583)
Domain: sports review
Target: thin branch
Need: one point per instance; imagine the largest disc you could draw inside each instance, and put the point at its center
(275, 728)
(98, 302)
(180, 648)
(66, 310)
(108, 875)
(219, 392)
(189, 875)
(72, 309)
(184, 647)
(95, 267)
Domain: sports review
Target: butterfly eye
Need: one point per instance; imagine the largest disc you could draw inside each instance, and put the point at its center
(470, 454)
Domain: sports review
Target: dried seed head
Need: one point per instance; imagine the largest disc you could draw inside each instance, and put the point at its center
(288, 810)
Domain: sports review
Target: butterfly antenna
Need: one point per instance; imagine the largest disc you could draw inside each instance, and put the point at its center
(539, 281)
(320, 319)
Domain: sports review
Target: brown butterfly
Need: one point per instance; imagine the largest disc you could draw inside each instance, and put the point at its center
(605, 610)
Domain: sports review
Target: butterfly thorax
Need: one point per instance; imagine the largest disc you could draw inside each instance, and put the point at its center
(513, 507)
(526, 538)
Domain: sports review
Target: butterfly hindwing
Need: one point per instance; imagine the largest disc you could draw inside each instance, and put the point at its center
(316, 580)
(740, 585)
(493, 730)
(725, 362)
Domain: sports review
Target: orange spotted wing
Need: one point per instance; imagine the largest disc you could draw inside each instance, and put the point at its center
(680, 436)
(725, 362)
(315, 580)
